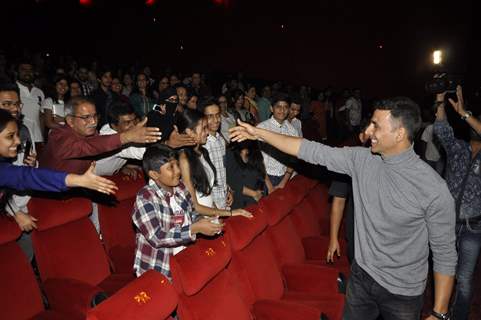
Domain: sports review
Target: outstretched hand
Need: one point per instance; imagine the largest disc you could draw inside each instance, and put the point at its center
(458, 106)
(92, 181)
(141, 134)
(242, 132)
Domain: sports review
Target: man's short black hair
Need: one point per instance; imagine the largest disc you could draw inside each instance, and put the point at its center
(117, 109)
(211, 101)
(156, 156)
(404, 110)
(280, 97)
(9, 86)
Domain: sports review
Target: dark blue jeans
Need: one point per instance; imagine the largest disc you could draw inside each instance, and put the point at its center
(366, 300)
(468, 244)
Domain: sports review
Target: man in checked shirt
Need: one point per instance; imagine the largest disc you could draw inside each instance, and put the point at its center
(163, 214)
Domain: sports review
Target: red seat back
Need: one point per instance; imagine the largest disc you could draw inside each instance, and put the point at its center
(118, 233)
(66, 243)
(19, 293)
(150, 297)
(206, 289)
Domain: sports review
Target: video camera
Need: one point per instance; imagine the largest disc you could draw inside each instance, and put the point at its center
(443, 82)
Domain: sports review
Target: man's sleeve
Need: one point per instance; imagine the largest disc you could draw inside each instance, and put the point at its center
(152, 221)
(339, 160)
(339, 189)
(441, 223)
(132, 152)
(91, 146)
(445, 134)
(17, 203)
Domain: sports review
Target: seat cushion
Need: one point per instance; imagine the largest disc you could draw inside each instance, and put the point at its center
(116, 281)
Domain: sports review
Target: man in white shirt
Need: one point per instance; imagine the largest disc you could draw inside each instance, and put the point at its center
(31, 98)
(121, 117)
(354, 107)
(278, 173)
(215, 145)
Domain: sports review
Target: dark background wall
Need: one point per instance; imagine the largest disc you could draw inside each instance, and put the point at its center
(317, 42)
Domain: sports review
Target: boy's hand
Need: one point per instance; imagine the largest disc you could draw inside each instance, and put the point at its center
(207, 227)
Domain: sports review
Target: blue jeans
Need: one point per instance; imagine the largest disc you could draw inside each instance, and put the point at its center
(367, 300)
(468, 244)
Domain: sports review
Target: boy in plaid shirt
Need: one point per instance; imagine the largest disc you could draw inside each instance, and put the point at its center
(163, 214)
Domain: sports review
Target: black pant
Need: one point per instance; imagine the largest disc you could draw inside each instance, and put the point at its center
(366, 300)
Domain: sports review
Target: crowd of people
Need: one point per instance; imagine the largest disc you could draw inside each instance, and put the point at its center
(208, 152)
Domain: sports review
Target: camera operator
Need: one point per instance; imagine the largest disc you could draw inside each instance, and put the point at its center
(463, 177)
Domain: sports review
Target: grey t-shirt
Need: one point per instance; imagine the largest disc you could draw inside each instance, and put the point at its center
(401, 207)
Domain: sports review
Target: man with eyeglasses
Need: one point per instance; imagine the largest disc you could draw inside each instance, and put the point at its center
(73, 147)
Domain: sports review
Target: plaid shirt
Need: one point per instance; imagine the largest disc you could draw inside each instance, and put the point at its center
(162, 222)
(215, 145)
(275, 160)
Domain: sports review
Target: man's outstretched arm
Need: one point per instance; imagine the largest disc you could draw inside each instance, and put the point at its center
(285, 143)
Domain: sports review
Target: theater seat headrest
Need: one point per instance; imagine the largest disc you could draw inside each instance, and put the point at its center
(9, 230)
(195, 266)
(51, 213)
(241, 231)
(278, 205)
(128, 187)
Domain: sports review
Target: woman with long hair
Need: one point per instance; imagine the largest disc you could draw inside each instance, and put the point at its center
(198, 171)
(140, 97)
(53, 106)
(236, 107)
(250, 103)
(246, 173)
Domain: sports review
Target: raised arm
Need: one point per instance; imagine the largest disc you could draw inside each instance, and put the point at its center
(285, 143)
(458, 106)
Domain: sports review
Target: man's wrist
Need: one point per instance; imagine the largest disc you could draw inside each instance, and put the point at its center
(465, 115)
(440, 315)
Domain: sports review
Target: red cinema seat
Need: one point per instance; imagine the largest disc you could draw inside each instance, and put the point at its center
(206, 289)
(20, 297)
(118, 233)
(260, 280)
(290, 253)
(149, 297)
(71, 259)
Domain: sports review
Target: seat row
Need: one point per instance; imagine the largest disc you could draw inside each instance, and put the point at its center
(275, 263)
(264, 267)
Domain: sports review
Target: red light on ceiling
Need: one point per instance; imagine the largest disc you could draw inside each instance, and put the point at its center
(150, 2)
(86, 3)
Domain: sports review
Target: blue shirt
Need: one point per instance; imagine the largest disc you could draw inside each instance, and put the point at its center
(25, 178)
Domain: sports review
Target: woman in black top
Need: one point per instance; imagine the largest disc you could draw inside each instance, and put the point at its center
(245, 173)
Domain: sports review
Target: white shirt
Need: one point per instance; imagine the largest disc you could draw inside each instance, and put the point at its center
(273, 166)
(110, 165)
(297, 124)
(206, 200)
(32, 101)
(355, 110)
(432, 153)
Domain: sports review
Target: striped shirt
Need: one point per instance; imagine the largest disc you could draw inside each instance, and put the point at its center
(215, 145)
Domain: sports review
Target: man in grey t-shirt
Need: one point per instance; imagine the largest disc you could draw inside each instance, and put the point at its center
(402, 207)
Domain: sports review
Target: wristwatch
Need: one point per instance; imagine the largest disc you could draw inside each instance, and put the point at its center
(466, 115)
(440, 316)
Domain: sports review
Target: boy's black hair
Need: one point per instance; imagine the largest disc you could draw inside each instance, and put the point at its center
(9, 86)
(156, 156)
(117, 109)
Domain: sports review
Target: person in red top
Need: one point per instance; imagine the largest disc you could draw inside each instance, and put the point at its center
(74, 146)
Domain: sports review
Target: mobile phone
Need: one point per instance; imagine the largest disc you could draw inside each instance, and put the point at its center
(28, 149)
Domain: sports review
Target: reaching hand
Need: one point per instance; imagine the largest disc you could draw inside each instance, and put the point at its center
(25, 221)
(90, 180)
(333, 249)
(243, 131)
(177, 140)
(31, 160)
(458, 106)
(131, 172)
(241, 212)
(207, 227)
(141, 134)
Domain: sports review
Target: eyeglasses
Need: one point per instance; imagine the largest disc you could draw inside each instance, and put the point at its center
(213, 116)
(87, 117)
(9, 104)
